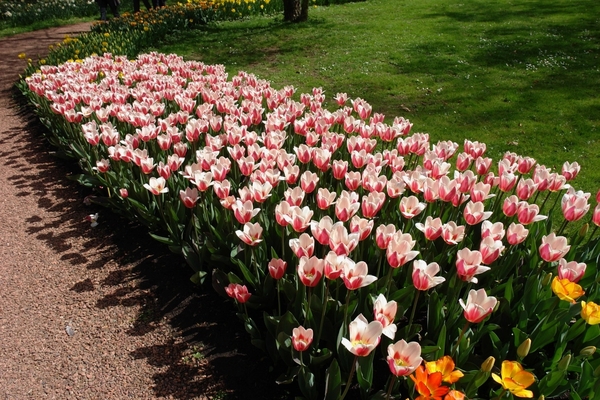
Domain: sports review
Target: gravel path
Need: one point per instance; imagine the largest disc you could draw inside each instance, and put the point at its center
(98, 313)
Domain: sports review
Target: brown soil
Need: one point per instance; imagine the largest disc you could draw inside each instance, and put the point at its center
(105, 312)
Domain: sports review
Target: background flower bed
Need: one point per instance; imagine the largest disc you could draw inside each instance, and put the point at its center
(196, 237)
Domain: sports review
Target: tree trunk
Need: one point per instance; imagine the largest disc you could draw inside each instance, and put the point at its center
(295, 10)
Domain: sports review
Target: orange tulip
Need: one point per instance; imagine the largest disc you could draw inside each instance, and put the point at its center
(445, 366)
(428, 385)
(566, 290)
(515, 379)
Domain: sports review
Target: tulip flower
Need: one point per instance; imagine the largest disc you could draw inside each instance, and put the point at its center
(294, 196)
(571, 270)
(528, 213)
(490, 249)
(321, 229)
(507, 181)
(189, 197)
(282, 213)
(399, 250)
(432, 227)
(480, 192)
(452, 233)
(526, 188)
(352, 180)
(372, 203)
(277, 268)
(404, 358)
(423, 275)
(157, 186)
(515, 379)
(445, 366)
(428, 385)
(479, 305)
(574, 204)
(346, 206)
(455, 395)
(474, 213)
(308, 181)
(325, 198)
(363, 337)
(495, 231)
(468, 264)
(590, 312)
(553, 247)
(510, 205)
(302, 338)
(395, 187)
(299, 218)
(525, 164)
(361, 226)
(566, 290)
(385, 312)
(596, 215)
(238, 292)
(340, 241)
(570, 170)
(303, 246)
(339, 169)
(410, 207)
(355, 275)
(516, 233)
(384, 234)
(251, 235)
(244, 211)
(333, 265)
(310, 271)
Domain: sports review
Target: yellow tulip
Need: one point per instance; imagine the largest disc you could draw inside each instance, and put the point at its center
(566, 290)
(590, 312)
(515, 379)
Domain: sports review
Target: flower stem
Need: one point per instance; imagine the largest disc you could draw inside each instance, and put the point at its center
(346, 308)
(389, 282)
(390, 387)
(462, 333)
(278, 298)
(412, 313)
(350, 376)
(325, 298)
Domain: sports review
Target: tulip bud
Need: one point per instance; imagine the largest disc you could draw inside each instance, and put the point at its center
(488, 364)
(584, 230)
(547, 279)
(542, 397)
(588, 351)
(563, 364)
(523, 349)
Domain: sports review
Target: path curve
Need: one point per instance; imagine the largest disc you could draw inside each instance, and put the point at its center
(98, 313)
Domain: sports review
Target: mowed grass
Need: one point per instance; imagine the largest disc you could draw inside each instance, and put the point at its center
(521, 76)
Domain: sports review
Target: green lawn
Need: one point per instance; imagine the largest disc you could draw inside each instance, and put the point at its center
(522, 76)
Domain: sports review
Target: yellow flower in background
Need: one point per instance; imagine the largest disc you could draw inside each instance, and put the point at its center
(22, 56)
(445, 366)
(590, 312)
(515, 379)
(566, 290)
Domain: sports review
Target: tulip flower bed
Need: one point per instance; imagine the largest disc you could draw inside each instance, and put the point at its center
(360, 256)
